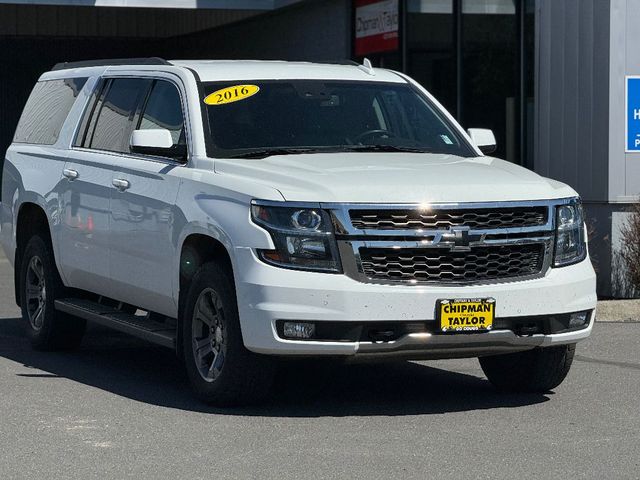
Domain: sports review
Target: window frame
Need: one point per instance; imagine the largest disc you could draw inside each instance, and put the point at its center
(93, 107)
(97, 111)
(88, 113)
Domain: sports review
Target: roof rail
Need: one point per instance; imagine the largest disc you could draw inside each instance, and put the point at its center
(111, 61)
(343, 61)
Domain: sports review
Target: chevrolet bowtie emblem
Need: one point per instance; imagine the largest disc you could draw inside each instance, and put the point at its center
(459, 239)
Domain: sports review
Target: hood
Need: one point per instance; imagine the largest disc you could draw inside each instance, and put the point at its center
(394, 178)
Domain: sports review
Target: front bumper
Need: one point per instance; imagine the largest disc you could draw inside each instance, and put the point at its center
(428, 346)
(267, 294)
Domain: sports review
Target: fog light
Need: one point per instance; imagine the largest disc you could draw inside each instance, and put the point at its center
(579, 319)
(299, 329)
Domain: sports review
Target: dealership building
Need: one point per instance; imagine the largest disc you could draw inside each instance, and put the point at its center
(554, 79)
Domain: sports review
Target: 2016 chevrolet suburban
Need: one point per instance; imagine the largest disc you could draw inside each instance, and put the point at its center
(242, 211)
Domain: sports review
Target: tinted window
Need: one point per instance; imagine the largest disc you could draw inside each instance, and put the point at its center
(330, 115)
(115, 114)
(46, 110)
(164, 110)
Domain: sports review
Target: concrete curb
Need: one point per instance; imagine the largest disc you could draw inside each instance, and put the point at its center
(618, 311)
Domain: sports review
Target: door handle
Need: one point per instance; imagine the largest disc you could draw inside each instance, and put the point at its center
(70, 174)
(121, 184)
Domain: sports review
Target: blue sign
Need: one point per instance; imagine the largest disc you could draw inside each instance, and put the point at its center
(633, 114)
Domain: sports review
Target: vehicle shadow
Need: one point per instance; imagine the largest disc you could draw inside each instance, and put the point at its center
(137, 370)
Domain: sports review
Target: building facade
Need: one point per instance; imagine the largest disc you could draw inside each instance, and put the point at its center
(547, 76)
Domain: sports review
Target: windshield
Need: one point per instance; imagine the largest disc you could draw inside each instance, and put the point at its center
(255, 119)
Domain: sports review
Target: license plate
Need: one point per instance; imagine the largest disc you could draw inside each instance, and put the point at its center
(466, 315)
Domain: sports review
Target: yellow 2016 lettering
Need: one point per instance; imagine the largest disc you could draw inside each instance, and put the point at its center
(231, 94)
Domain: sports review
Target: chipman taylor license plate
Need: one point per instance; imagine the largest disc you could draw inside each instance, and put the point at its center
(466, 315)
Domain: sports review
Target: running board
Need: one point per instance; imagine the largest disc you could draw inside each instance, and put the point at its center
(110, 317)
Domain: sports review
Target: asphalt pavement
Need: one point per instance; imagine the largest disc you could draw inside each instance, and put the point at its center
(121, 408)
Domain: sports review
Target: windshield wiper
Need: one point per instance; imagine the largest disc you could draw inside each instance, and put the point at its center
(268, 152)
(385, 148)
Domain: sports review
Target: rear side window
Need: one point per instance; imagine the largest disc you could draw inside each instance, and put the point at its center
(46, 110)
(114, 115)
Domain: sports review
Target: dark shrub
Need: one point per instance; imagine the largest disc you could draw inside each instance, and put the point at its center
(631, 246)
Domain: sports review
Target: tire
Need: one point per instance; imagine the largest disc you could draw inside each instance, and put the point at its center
(538, 370)
(221, 370)
(40, 286)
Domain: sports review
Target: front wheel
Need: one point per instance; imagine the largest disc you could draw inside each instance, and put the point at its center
(221, 370)
(537, 370)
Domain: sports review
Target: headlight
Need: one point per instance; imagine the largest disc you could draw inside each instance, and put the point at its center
(303, 238)
(570, 244)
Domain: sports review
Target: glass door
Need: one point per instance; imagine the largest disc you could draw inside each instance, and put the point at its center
(431, 55)
(490, 72)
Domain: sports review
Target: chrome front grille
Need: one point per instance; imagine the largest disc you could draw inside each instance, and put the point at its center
(448, 244)
(442, 219)
(440, 265)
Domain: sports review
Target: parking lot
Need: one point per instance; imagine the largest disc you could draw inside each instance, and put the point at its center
(121, 408)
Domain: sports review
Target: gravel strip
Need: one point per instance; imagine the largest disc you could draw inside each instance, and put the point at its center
(618, 311)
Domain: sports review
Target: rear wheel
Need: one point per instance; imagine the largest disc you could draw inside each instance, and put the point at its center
(221, 370)
(40, 286)
(537, 370)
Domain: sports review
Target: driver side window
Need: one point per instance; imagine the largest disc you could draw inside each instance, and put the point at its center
(163, 109)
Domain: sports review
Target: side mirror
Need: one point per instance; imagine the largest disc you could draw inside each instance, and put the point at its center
(157, 142)
(483, 139)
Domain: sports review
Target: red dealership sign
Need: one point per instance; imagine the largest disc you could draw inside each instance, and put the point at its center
(376, 27)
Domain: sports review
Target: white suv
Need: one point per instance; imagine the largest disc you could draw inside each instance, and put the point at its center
(239, 211)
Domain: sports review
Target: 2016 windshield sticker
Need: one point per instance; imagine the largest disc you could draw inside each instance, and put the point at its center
(231, 94)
